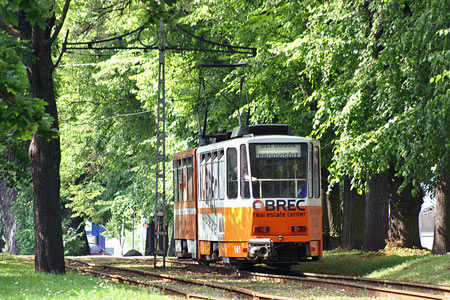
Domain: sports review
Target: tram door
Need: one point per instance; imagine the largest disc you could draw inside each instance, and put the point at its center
(185, 208)
(211, 187)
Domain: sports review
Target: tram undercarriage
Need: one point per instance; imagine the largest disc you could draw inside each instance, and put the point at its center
(266, 251)
(259, 251)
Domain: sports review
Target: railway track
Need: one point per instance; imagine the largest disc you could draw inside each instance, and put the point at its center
(395, 284)
(371, 287)
(124, 275)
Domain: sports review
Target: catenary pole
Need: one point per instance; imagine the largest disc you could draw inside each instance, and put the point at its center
(160, 188)
(161, 43)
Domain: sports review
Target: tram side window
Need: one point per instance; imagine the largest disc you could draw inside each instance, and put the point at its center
(245, 176)
(190, 180)
(215, 177)
(185, 186)
(316, 172)
(179, 180)
(203, 177)
(232, 183)
(175, 180)
(208, 176)
(310, 172)
(221, 178)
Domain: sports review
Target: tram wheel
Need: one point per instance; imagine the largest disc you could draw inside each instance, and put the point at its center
(203, 262)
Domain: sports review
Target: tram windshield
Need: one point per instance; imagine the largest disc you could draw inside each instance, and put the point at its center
(279, 170)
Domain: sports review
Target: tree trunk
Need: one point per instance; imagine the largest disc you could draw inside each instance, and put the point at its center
(150, 239)
(333, 202)
(77, 224)
(352, 236)
(7, 197)
(376, 213)
(331, 213)
(325, 223)
(45, 155)
(441, 242)
(404, 214)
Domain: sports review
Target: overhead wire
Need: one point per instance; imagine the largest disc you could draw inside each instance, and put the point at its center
(109, 118)
(216, 90)
(221, 93)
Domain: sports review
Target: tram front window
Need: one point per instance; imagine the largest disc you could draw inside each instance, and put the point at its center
(279, 170)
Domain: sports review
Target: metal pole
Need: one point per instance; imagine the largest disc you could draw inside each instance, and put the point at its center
(160, 231)
(160, 189)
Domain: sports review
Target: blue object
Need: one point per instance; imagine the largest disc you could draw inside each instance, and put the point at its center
(97, 232)
(302, 191)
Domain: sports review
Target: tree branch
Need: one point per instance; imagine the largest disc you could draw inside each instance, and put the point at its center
(62, 51)
(11, 30)
(61, 22)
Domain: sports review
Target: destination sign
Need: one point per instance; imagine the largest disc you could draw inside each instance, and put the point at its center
(278, 151)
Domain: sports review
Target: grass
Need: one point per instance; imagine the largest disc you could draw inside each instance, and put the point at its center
(18, 280)
(390, 263)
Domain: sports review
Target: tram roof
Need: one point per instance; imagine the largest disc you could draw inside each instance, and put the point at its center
(274, 133)
(249, 139)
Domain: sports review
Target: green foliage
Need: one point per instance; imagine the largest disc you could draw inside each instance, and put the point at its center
(276, 92)
(35, 11)
(440, 57)
(369, 79)
(72, 240)
(23, 211)
(113, 154)
(21, 115)
(14, 163)
(2, 232)
(368, 66)
(107, 143)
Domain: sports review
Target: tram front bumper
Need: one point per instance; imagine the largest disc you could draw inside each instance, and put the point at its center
(260, 249)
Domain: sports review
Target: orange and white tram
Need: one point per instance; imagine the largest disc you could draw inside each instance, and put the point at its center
(251, 197)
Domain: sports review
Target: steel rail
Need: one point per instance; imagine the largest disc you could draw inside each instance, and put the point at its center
(405, 285)
(127, 280)
(251, 294)
(373, 287)
(353, 285)
(395, 284)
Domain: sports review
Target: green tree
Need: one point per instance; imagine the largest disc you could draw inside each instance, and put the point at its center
(37, 24)
(108, 122)
(386, 114)
(23, 210)
(358, 75)
(21, 114)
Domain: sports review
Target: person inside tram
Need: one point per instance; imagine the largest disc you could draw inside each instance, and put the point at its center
(302, 188)
(232, 178)
(247, 176)
(294, 173)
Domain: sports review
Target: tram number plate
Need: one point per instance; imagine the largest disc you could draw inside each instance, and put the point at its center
(237, 249)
